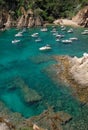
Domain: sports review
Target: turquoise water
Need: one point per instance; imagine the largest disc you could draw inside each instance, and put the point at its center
(24, 60)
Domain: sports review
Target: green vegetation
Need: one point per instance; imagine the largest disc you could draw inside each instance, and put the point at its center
(48, 9)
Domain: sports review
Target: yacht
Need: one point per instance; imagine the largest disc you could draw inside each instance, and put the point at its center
(19, 34)
(34, 35)
(38, 40)
(63, 29)
(44, 29)
(47, 47)
(67, 41)
(15, 41)
(73, 38)
(70, 30)
(57, 40)
(59, 36)
(84, 33)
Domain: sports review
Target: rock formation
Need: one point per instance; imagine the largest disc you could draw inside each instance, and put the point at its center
(74, 71)
(82, 17)
(29, 19)
(49, 120)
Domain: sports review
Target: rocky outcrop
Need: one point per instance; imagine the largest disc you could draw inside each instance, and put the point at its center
(82, 17)
(29, 19)
(74, 72)
(5, 124)
(6, 19)
(49, 120)
(10, 22)
(66, 22)
(79, 70)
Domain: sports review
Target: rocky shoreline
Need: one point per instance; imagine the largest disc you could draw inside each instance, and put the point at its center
(74, 72)
(30, 18)
(49, 120)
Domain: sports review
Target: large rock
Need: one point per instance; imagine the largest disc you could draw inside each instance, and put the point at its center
(50, 120)
(31, 22)
(73, 71)
(79, 70)
(82, 17)
(5, 124)
(38, 21)
(10, 22)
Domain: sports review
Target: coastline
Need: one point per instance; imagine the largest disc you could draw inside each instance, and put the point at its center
(69, 76)
(66, 22)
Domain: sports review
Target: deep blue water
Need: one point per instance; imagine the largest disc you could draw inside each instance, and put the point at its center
(24, 60)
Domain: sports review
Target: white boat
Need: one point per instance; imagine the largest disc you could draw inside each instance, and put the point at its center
(63, 29)
(73, 38)
(70, 30)
(59, 36)
(54, 30)
(38, 40)
(34, 35)
(18, 34)
(44, 29)
(67, 41)
(57, 40)
(84, 33)
(47, 47)
(86, 30)
(55, 33)
(62, 26)
(15, 41)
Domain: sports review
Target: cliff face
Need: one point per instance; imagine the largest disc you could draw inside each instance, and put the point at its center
(27, 19)
(30, 19)
(82, 17)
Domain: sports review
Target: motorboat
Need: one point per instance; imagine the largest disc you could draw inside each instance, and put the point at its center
(47, 47)
(67, 41)
(55, 33)
(62, 26)
(73, 38)
(59, 36)
(84, 33)
(70, 30)
(57, 40)
(34, 35)
(86, 30)
(54, 30)
(15, 41)
(38, 40)
(19, 34)
(63, 29)
(44, 29)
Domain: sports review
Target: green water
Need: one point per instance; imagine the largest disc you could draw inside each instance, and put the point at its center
(24, 60)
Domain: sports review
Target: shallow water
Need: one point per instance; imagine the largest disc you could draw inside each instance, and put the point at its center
(24, 60)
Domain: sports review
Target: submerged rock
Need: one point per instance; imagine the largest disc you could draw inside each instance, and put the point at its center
(50, 120)
(27, 94)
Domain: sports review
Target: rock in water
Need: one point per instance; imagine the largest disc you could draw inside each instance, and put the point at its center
(28, 95)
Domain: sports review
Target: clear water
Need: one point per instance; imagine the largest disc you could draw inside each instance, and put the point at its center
(24, 60)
